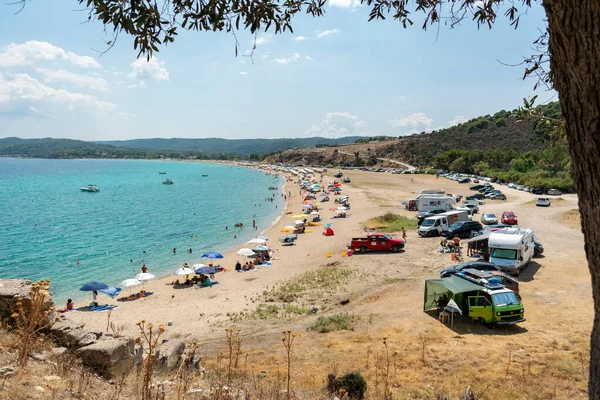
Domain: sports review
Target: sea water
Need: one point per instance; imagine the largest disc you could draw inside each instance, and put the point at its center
(50, 229)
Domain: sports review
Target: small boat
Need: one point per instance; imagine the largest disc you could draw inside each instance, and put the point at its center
(168, 182)
(162, 173)
(90, 188)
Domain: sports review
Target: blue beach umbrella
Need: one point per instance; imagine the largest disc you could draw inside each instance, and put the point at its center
(212, 254)
(91, 286)
(205, 270)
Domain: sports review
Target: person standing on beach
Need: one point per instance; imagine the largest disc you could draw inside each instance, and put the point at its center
(404, 234)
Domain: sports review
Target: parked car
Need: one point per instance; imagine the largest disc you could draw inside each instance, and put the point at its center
(543, 202)
(554, 192)
(376, 241)
(346, 180)
(478, 265)
(494, 227)
(426, 214)
(473, 207)
(509, 218)
(476, 196)
(538, 250)
(492, 192)
(537, 190)
(489, 219)
(498, 196)
(462, 229)
(464, 180)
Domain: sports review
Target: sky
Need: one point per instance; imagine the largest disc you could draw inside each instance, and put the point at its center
(334, 76)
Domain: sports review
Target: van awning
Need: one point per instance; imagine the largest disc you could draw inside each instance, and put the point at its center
(483, 236)
(434, 288)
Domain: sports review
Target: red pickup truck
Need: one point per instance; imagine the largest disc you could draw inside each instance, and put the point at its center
(376, 241)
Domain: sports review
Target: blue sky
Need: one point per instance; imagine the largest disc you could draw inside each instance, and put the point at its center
(334, 76)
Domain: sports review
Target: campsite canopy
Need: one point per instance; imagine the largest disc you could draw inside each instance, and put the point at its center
(434, 288)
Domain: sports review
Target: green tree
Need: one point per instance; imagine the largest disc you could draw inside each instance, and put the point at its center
(480, 166)
(573, 54)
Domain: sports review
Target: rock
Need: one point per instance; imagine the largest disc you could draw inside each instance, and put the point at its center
(196, 362)
(37, 357)
(59, 351)
(13, 289)
(39, 389)
(110, 357)
(138, 354)
(8, 371)
(169, 353)
(262, 374)
(72, 335)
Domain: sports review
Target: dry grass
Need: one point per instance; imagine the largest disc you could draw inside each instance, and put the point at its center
(573, 218)
(390, 223)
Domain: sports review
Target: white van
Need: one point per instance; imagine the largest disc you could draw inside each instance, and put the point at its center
(511, 248)
(433, 226)
(427, 202)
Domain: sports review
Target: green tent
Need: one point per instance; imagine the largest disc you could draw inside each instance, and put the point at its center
(451, 286)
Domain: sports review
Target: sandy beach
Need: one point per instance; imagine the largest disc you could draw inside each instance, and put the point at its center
(383, 295)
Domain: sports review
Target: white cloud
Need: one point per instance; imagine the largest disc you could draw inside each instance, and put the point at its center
(125, 115)
(309, 58)
(459, 119)
(345, 3)
(337, 124)
(328, 32)
(21, 91)
(243, 73)
(79, 80)
(263, 39)
(294, 57)
(416, 122)
(28, 53)
(299, 38)
(144, 70)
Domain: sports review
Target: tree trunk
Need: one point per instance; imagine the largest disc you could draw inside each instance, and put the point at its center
(574, 45)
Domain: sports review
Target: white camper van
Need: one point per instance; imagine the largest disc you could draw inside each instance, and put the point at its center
(511, 249)
(427, 202)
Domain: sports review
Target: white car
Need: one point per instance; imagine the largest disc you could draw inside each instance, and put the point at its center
(489, 219)
(543, 202)
(472, 207)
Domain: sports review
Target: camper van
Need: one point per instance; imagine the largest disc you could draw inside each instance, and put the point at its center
(433, 226)
(511, 249)
(481, 299)
(434, 202)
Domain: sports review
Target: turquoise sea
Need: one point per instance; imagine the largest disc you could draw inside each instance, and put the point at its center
(47, 224)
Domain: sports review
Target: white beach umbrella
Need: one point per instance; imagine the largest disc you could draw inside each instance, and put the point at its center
(257, 241)
(130, 283)
(245, 252)
(298, 221)
(184, 271)
(314, 213)
(144, 276)
(196, 266)
(342, 208)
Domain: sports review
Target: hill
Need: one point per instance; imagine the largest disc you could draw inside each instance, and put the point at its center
(500, 131)
(240, 147)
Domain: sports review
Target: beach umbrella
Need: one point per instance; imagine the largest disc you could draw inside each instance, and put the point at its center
(212, 254)
(298, 221)
(91, 286)
(337, 184)
(144, 276)
(184, 271)
(342, 208)
(246, 252)
(323, 194)
(256, 241)
(130, 283)
(263, 238)
(314, 213)
(260, 248)
(205, 270)
(291, 237)
(452, 307)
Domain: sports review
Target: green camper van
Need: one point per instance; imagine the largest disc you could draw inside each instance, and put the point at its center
(487, 302)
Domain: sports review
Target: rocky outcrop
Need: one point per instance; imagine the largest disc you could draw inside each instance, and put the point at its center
(110, 357)
(72, 335)
(169, 353)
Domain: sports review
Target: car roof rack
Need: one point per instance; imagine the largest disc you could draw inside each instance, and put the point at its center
(480, 278)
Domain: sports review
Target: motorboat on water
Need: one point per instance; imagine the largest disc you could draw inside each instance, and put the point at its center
(168, 182)
(90, 188)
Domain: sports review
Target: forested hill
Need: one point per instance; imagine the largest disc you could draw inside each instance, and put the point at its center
(241, 147)
(500, 131)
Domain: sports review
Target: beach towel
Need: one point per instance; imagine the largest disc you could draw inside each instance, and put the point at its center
(98, 308)
(267, 264)
(198, 286)
(134, 297)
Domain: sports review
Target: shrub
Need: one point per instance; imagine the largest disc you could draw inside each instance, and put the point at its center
(338, 322)
(353, 385)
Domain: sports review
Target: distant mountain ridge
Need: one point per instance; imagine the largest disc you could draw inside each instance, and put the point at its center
(241, 147)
